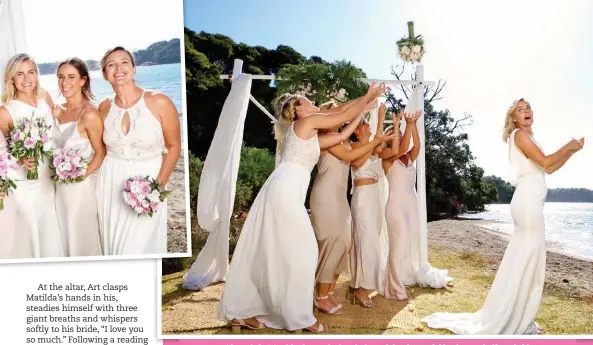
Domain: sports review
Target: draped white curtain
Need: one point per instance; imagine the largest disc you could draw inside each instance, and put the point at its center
(384, 195)
(216, 194)
(12, 33)
(12, 41)
(426, 274)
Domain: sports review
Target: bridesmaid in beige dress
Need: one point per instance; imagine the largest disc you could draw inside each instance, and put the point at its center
(365, 259)
(330, 214)
(78, 125)
(402, 209)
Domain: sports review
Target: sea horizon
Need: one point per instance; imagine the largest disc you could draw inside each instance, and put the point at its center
(569, 225)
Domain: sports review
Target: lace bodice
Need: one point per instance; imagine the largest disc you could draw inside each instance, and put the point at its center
(521, 165)
(370, 169)
(144, 140)
(299, 151)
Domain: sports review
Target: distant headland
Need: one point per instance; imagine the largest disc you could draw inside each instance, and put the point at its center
(158, 53)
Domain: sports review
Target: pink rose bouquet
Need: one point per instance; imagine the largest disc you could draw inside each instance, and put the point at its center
(7, 163)
(143, 195)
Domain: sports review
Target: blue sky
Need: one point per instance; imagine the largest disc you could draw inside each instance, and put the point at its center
(489, 53)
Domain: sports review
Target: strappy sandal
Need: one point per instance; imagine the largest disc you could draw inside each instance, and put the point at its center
(339, 304)
(237, 324)
(354, 299)
(322, 328)
(337, 310)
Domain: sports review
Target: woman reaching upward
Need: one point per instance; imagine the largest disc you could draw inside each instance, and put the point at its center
(272, 275)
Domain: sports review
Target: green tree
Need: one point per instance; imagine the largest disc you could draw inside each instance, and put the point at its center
(505, 189)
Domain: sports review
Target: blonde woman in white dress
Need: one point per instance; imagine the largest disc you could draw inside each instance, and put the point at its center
(514, 298)
(37, 229)
(142, 137)
(78, 125)
(272, 274)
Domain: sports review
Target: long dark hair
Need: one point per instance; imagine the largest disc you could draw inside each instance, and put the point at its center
(83, 71)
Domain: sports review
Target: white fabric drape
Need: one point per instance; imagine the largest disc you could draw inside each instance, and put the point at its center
(12, 41)
(12, 33)
(426, 274)
(216, 193)
(384, 194)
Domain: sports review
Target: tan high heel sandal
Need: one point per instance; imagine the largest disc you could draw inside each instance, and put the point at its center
(237, 324)
(339, 304)
(354, 299)
(337, 310)
(321, 328)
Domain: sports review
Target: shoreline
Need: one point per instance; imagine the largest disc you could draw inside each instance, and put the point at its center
(484, 224)
(176, 222)
(564, 271)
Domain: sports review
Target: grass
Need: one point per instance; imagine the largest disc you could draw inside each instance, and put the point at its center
(561, 312)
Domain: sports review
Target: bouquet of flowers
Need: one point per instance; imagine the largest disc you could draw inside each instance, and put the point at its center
(144, 195)
(30, 139)
(7, 162)
(411, 48)
(69, 166)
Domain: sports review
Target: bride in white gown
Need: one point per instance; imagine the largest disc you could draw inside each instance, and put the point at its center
(514, 298)
(272, 274)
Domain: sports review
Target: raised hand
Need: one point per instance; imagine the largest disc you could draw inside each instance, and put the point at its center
(370, 106)
(575, 145)
(397, 119)
(389, 135)
(412, 118)
(377, 90)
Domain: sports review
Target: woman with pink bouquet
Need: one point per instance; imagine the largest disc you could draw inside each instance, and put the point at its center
(79, 152)
(26, 105)
(142, 136)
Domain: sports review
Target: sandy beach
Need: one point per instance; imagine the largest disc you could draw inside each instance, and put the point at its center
(564, 271)
(467, 248)
(177, 234)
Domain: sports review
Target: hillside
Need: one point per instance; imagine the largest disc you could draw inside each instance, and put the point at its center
(158, 53)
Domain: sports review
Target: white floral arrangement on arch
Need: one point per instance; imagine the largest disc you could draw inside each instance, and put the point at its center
(411, 48)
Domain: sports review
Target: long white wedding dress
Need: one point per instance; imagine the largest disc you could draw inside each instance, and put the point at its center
(139, 152)
(514, 298)
(272, 272)
(37, 234)
(76, 203)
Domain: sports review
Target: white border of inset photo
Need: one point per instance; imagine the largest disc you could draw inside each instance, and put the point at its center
(185, 152)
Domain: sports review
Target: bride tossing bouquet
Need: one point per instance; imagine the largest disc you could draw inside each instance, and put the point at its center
(7, 163)
(30, 139)
(143, 195)
(69, 166)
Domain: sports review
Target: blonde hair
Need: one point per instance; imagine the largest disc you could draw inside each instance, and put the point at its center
(509, 124)
(280, 125)
(328, 105)
(10, 91)
(111, 51)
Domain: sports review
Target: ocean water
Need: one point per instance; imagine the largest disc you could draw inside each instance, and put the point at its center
(163, 78)
(569, 226)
